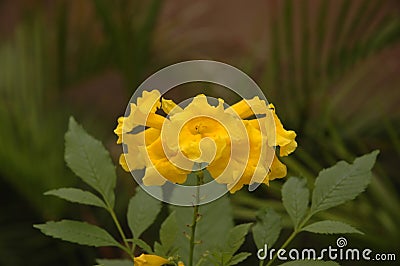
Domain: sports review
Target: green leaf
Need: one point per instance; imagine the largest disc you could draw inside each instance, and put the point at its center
(342, 182)
(267, 228)
(104, 262)
(331, 227)
(143, 245)
(202, 260)
(142, 212)
(225, 255)
(219, 258)
(236, 237)
(77, 196)
(158, 249)
(168, 234)
(212, 228)
(239, 258)
(78, 232)
(89, 160)
(295, 197)
(310, 263)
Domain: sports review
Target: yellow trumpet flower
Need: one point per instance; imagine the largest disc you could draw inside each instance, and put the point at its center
(237, 143)
(150, 260)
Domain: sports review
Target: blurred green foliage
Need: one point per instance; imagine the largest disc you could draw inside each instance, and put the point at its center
(31, 118)
(333, 76)
(37, 65)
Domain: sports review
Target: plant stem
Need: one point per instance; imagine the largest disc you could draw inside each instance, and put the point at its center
(193, 226)
(261, 263)
(291, 237)
(121, 232)
(192, 236)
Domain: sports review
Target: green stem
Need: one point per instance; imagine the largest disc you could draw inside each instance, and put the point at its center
(193, 226)
(121, 232)
(291, 237)
(192, 236)
(133, 247)
(287, 242)
(261, 263)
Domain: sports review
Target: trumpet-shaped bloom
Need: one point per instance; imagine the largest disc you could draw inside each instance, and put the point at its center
(150, 260)
(202, 133)
(237, 149)
(144, 148)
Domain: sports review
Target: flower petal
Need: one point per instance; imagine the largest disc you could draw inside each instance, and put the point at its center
(150, 260)
(249, 107)
(277, 170)
(284, 138)
(118, 129)
(143, 113)
(170, 107)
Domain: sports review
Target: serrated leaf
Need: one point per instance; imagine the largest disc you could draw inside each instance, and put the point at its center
(295, 197)
(78, 232)
(169, 233)
(236, 237)
(310, 263)
(331, 227)
(267, 228)
(143, 245)
(239, 258)
(142, 212)
(77, 196)
(104, 262)
(89, 160)
(159, 250)
(342, 182)
(212, 228)
(219, 258)
(225, 256)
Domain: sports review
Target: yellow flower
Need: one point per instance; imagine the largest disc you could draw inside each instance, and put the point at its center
(150, 260)
(237, 150)
(169, 107)
(141, 114)
(203, 133)
(267, 128)
(285, 139)
(144, 148)
(134, 142)
(159, 167)
(257, 167)
(277, 135)
(188, 128)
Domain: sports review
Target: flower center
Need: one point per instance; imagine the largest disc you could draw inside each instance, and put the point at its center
(204, 126)
(198, 129)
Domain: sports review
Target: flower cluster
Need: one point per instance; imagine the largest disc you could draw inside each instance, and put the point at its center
(237, 143)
